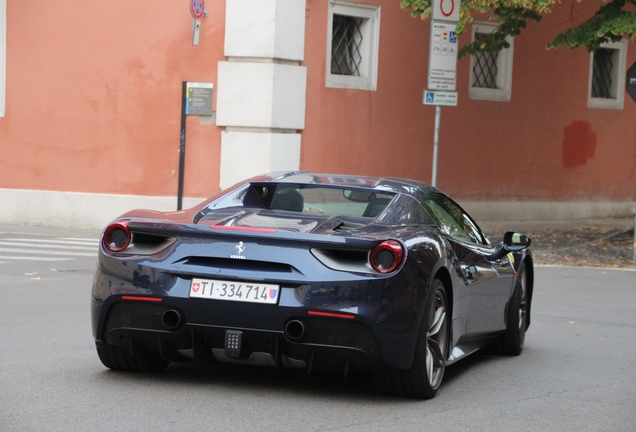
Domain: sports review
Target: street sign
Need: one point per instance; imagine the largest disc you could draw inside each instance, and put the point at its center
(441, 84)
(631, 89)
(199, 98)
(446, 10)
(440, 98)
(442, 65)
(197, 9)
(196, 98)
(442, 62)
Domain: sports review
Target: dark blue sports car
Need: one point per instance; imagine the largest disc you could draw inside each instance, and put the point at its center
(311, 271)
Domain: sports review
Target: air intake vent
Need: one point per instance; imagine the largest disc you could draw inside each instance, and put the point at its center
(235, 264)
(347, 226)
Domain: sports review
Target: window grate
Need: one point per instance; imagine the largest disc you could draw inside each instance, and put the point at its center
(345, 45)
(485, 68)
(602, 73)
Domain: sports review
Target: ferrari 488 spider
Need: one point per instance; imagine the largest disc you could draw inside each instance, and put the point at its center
(311, 271)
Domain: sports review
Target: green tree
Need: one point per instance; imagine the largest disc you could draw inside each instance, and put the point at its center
(613, 20)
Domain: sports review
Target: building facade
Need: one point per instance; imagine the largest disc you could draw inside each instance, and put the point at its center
(91, 93)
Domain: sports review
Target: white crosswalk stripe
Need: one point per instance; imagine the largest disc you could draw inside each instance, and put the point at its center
(48, 246)
(45, 248)
(65, 241)
(32, 258)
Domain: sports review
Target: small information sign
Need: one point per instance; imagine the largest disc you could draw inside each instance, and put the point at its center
(442, 61)
(441, 84)
(199, 98)
(440, 98)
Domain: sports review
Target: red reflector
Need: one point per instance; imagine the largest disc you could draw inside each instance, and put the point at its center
(141, 298)
(330, 314)
(235, 228)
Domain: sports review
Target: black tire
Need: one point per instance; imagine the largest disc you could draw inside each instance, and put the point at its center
(513, 339)
(424, 377)
(120, 359)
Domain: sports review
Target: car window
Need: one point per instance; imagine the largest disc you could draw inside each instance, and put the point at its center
(318, 199)
(451, 219)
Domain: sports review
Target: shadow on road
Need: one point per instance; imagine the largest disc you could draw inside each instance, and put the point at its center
(250, 379)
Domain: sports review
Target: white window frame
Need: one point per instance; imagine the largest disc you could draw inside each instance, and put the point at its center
(370, 29)
(618, 79)
(3, 54)
(503, 92)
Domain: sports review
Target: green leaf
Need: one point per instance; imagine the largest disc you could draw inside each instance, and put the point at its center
(614, 20)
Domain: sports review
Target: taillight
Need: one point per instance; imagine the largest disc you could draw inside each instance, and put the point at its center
(117, 237)
(387, 256)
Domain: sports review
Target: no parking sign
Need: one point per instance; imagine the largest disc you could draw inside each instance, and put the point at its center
(197, 8)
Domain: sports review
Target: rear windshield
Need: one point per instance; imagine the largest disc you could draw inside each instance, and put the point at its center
(317, 199)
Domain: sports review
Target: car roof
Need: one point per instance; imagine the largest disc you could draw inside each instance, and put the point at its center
(412, 188)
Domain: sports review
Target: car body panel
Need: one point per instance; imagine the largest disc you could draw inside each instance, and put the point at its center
(355, 317)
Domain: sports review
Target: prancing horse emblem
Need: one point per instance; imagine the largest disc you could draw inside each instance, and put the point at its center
(239, 251)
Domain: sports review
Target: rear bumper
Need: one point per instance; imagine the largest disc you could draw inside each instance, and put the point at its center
(159, 330)
(382, 330)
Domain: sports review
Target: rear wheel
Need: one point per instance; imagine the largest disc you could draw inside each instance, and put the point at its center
(424, 377)
(513, 339)
(120, 359)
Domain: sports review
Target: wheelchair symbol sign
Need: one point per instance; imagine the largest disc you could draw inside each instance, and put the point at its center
(452, 38)
(441, 98)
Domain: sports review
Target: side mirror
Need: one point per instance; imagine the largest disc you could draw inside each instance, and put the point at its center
(515, 242)
(512, 242)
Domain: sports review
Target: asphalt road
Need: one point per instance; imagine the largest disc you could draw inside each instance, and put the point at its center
(576, 372)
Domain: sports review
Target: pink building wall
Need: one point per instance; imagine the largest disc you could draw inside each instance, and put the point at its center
(93, 97)
(525, 149)
(94, 92)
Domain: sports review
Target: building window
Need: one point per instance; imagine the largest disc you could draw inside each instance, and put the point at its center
(607, 76)
(345, 45)
(352, 45)
(490, 73)
(3, 53)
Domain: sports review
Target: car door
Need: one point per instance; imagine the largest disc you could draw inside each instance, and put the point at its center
(490, 281)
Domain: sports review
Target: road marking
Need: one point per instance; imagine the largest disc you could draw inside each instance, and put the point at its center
(26, 247)
(42, 252)
(32, 258)
(61, 240)
(47, 246)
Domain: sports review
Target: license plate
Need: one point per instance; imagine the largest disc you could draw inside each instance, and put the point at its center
(234, 291)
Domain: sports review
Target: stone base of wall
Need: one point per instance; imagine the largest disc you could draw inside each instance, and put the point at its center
(79, 210)
(546, 210)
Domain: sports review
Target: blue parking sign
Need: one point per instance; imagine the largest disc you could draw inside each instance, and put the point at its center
(430, 97)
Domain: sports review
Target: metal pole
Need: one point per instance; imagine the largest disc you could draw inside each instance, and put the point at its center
(182, 143)
(635, 234)
(438, 114)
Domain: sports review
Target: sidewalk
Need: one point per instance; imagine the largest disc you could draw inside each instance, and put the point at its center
(585, 242)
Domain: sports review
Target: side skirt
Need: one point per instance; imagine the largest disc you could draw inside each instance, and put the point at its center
(465, 348)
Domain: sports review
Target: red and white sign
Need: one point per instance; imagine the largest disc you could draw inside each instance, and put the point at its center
(446, 10)
(197, 8)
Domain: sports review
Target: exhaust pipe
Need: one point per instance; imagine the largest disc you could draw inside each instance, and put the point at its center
(294, 330)
(171, 318)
